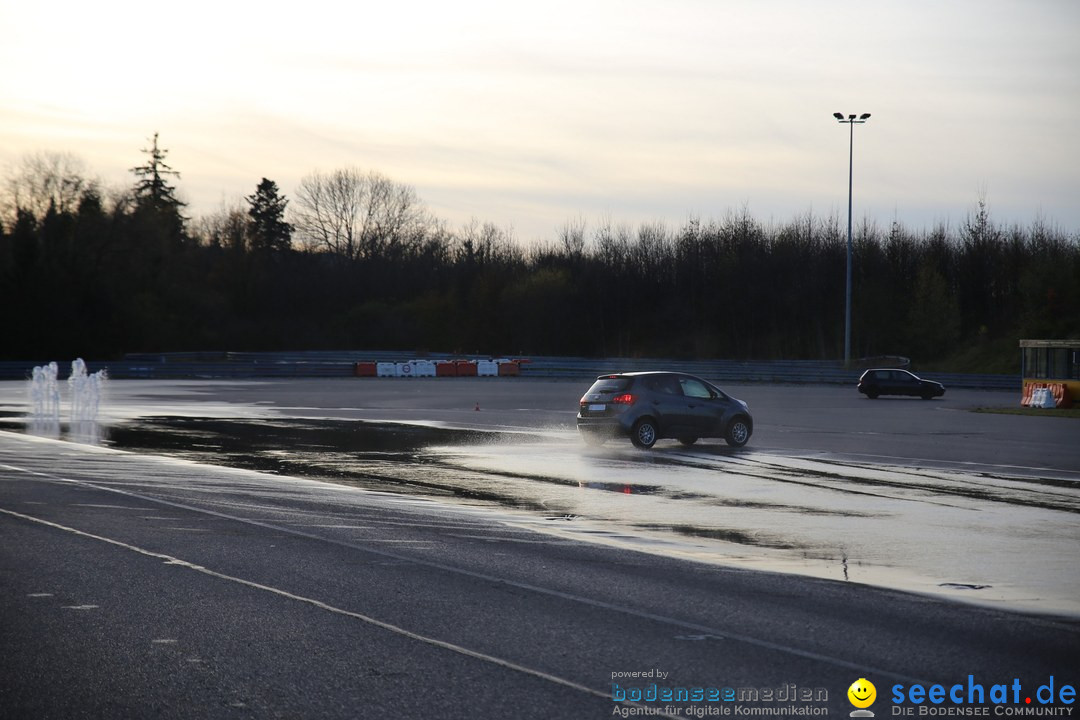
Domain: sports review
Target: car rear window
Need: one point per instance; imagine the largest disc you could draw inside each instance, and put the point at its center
(610, 385)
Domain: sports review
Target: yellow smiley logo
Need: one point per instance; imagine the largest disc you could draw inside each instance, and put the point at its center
(862, 693)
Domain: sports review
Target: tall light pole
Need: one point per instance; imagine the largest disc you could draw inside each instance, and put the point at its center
(851, 121)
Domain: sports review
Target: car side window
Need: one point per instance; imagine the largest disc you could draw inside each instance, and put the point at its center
(669, 386)
(694, 389)
(662, 384)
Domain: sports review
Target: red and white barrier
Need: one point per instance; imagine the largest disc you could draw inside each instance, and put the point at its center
(499, 367)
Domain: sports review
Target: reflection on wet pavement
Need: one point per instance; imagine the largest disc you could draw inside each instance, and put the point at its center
(963, 535)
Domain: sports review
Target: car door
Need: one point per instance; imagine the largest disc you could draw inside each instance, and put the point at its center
(891, 382)
(872, 382)
(886, 385)
(669, 406)
(905, 383)
(704, 408)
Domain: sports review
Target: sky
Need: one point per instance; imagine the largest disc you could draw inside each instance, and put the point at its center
(535, 115)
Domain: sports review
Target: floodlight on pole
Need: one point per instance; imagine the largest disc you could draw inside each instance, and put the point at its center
(851, 121)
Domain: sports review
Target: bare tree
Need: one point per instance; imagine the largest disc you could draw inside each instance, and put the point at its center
(396, 217)
(43, 180)
(225, 228)
(572, 238)
(612, 244)
(482, 244)
(356, 215)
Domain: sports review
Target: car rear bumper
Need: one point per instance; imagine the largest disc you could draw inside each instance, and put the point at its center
(611, 425)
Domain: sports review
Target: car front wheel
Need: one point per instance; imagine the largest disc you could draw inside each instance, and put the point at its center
(644, 433)
(738, 432)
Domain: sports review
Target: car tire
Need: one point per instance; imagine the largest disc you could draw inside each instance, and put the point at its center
(872, 393)
(688, 441)
(644, 433)
(738, 432)
(928, 395)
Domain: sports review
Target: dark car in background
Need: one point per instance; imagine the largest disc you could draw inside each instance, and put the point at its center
(648, 406)
(891, 381)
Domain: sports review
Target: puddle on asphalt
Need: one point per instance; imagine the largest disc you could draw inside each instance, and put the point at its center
(967, 536)
(388, 457)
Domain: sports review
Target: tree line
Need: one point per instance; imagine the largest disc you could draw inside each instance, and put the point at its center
(355, 260)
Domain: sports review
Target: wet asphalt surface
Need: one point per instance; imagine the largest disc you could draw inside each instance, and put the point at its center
(435, 568)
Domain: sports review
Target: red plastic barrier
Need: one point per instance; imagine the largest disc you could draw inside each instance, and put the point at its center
(1029, 390)
(510, 368)
(1062, 397)
(446, 369)
(466, 368)
(364, 369)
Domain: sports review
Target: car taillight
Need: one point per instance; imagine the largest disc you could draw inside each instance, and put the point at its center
(624, 399)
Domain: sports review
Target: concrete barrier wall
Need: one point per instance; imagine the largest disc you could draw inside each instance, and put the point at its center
(343, 364)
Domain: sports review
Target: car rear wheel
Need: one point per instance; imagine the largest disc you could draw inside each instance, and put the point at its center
(872, 393)
(738, 432)
(644, 433)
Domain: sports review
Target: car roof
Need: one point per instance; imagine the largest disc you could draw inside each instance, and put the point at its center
(644, 373)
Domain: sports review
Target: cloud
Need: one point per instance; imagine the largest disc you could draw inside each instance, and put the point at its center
(567, 109)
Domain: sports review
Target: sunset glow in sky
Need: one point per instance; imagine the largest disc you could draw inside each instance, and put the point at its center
(534, 115)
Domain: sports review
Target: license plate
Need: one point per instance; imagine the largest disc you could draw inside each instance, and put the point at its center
(597, 408)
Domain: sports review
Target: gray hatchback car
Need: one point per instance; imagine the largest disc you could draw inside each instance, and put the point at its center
(647, 406)
(890, 381)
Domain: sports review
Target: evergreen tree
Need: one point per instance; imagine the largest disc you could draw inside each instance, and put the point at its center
(152, 187)
(157, 209)
(267, 229)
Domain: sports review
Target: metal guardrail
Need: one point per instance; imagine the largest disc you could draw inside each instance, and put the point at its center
(248, 365)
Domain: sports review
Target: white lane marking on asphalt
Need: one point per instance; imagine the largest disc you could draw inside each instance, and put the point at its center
(656, 617)
(164, 641)
(507, 538)
(399, 542)
(39, 595)
(928, 464)
(108, 507)
(30, 472)
(80, 607)
(434, 642)
(437, 526)
(697, 638)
